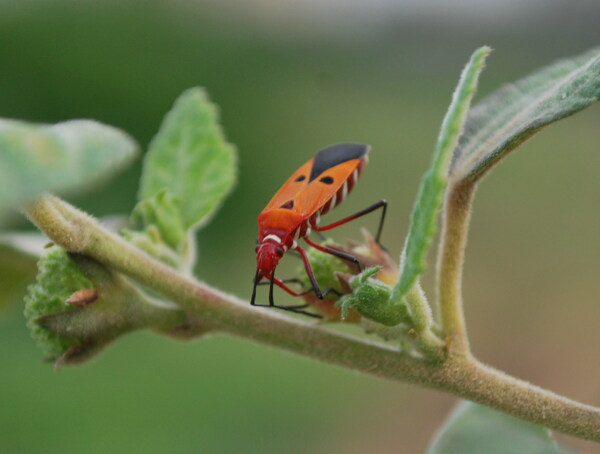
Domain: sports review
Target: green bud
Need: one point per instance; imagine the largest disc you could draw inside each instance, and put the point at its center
(77, 307)
(371, 298)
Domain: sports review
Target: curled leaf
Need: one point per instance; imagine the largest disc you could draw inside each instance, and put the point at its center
(58, 278)
(506, 118)
(433, 186)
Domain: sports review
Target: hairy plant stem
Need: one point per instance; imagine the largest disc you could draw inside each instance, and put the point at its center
(460, 375)
(455, 226)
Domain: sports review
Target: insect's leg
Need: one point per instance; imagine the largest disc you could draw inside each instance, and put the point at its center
(340, 254)
(291, 280)
(257, 279)
(298, 308)
(379, 204)
(310, 272)
(280, 283)
(331, 290)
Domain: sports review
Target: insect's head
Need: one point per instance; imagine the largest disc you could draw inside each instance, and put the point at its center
(268, 254)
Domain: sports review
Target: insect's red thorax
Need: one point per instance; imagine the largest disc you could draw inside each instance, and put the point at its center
(280, 222)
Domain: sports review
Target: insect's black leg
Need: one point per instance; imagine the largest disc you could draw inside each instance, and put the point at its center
(310, 272)
(297, 309)
(331, 290)
(292, 280)
(379, 204)
(340, 254)
(271, 302)
(256, 280)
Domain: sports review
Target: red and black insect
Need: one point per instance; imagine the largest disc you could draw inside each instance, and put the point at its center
(313, 190)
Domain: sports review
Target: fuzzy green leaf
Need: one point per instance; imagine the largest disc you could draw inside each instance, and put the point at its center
(508, 117)
(191, 158)
(158, 230)
(59, 158)
(474, 429)
(58, 278)
(431, 193)
(77, 307)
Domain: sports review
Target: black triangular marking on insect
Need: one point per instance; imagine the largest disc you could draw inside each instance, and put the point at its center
(288, 205)
(336, 154)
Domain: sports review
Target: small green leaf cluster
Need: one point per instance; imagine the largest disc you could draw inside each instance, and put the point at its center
(58, 278)
(77, 307)
(188, 170)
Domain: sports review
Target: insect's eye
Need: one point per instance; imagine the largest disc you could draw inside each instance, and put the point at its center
(279, 252)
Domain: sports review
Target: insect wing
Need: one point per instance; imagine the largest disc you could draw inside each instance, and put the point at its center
(290, 189)
(320, 190)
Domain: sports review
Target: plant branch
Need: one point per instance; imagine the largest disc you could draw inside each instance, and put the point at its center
(455, 225)
(458, 374)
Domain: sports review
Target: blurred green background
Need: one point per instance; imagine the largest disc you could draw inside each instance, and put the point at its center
(291, 79)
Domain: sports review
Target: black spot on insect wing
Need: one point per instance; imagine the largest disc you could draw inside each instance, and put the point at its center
(336, 154)
(301, 178)
(326, 180)
(288, 205)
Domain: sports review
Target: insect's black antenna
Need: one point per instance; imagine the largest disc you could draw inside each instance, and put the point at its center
(271, 301)
(257, 278)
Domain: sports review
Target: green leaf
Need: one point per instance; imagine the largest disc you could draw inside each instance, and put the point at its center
(191, 158)
(161, 210)
(474, 429)
(158, 230)
(508, 117)
(58, 278)
(76, 154)
(431, 193)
